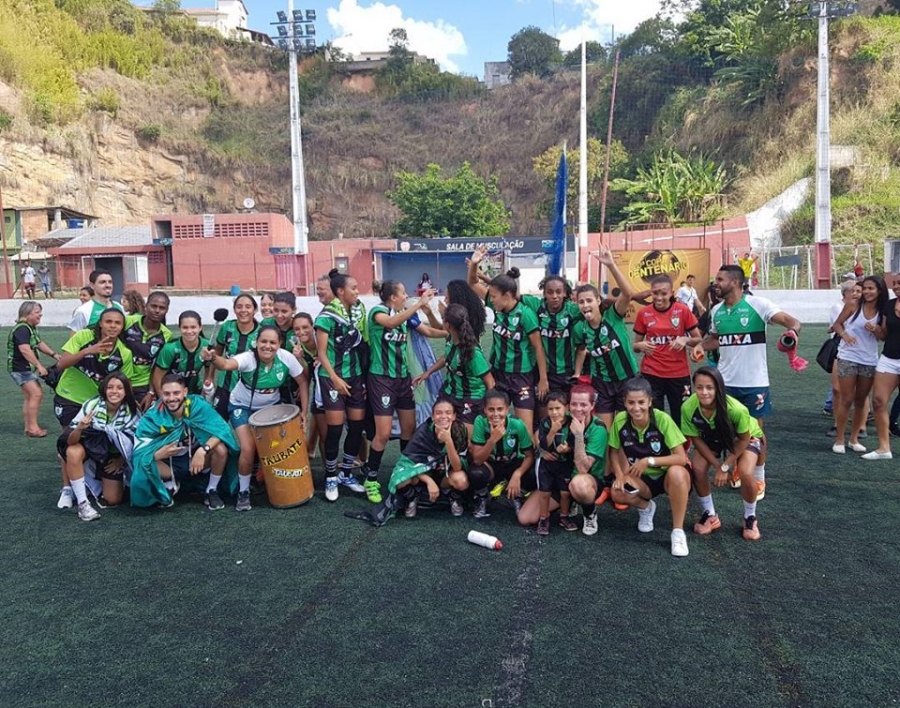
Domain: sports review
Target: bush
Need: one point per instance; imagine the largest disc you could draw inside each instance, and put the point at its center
(6, 120)
(149, 133)
(105, 99)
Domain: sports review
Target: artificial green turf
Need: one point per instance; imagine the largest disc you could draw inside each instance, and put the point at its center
(298, 607)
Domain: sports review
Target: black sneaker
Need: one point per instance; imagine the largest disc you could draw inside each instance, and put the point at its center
(412, 508)
(517, 504)
(567, 523)
(543, 526)
(481, 508)
(213, 500)
(832, 431)
(456, 507)
(895, 429)
(243, 501)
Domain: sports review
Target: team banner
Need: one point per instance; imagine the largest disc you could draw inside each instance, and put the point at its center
(640, 267)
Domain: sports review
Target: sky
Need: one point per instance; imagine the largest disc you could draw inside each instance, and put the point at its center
(459, 34)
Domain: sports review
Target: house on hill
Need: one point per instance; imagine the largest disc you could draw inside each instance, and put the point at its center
(23, 225)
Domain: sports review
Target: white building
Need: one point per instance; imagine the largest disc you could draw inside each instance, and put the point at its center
(228, 18)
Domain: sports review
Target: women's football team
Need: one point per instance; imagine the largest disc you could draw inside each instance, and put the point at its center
(560, 417)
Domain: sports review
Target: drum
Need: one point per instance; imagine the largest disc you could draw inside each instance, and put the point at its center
(283, 457)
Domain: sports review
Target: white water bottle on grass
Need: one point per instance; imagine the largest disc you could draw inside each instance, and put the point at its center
(486, 540)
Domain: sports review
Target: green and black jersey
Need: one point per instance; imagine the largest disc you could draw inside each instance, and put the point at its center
(387, 347)
(344, 349)
(608, 347)
(512, 352)
(233, 342)
(556, 330)
(175, 358)
(464, 378)
(21, 333)
(145, 347)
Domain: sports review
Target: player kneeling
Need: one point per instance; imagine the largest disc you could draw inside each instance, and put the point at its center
(725, 438)
(431, 465)
(648, 459)
(181, 438)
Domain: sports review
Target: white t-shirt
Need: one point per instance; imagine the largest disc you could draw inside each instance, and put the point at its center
(269, 381)
(741, 330)
(28, 274)
(687, 296)
(88, 314)
(865, 351)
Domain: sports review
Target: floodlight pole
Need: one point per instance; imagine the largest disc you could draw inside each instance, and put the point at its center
(581, 247)
(823, 10)
(298, 179)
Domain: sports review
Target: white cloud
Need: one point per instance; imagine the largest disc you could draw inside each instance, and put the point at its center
(366, 29)
(602, 16)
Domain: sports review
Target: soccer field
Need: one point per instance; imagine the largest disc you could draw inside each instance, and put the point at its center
(304, 607)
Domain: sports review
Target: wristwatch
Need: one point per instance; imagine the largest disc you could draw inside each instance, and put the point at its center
(651, 461)
(725, 468)
(206, 448)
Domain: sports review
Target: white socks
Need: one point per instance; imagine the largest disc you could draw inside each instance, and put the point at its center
(214, 480)
(243, 482)
(78, 489)
(749, 509)
(707, 504)
(759, 473)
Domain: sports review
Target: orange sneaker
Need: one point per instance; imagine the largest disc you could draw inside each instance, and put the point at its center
(707, 524)
(760, 490)
(621, 507)
(604, 497)
(735, 479)
(751, 529)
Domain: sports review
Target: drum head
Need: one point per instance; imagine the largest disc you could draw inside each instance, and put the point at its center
(274, 415)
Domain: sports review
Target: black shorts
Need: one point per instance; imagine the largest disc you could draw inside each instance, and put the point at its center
(387, 394)
(553, 476)
(519, 388)
(467, 409)
(97, 448)
(656, 485)
(65, 410)
(610, 396)
(560, 382)
(668, 389)
(333, 401)
(504, 471)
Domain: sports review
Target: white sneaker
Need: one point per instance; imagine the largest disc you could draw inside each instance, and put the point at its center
(857, 447)
(838, 449)
(590, 525)
(66, 499)
(351, 482)
(875, 455)
(331, 488)
(645, 518)
(86, 512)
(679, 543)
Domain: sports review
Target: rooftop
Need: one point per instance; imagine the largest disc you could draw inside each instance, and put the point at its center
(103, 237)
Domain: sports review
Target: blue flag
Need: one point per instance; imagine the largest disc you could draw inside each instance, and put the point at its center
(558, 247)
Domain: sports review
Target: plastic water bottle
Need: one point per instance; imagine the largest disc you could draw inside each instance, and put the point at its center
(483, 539)
(209, 390)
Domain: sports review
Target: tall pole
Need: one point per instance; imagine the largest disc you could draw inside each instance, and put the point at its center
(609, 133)
(823, 158)
(298, 179)
(581, 259)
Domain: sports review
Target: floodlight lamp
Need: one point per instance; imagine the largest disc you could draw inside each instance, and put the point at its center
(310, 45)
(310, 15)
(282, 44)
(298, 44)
(282, 31)
(311, 30)
(282, 16)
(298, 29)
(298, 15)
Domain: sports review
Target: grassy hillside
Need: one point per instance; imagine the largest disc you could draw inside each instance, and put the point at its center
(75, 74)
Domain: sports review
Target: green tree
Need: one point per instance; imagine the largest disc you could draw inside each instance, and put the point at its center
(532, 51)
(433, 205)
(675, 189)
(594, 53)
(545, 166)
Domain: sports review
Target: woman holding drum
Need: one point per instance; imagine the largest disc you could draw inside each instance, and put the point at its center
(261, 373)
(235, 336)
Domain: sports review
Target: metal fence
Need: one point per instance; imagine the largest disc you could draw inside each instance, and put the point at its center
(794, 267)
